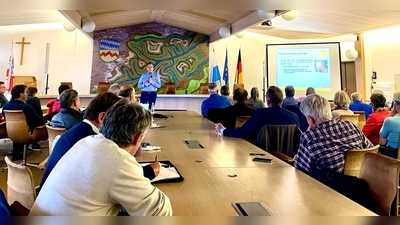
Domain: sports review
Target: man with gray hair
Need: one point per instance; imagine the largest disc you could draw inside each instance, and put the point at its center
(115, 89)
(69, 114)
(358, 105)
(214, 101)
(289, 100)
(326, 142)
(99, 174)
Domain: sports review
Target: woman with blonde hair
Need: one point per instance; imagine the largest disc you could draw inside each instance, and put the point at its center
(255, 100)
(342, 102)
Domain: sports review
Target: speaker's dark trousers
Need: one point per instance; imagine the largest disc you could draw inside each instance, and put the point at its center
(148, 97)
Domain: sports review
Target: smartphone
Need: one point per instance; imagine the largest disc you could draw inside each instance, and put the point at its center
(257, 154)
(257, 159)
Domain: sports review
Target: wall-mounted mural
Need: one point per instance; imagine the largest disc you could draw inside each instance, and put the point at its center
(179, 56)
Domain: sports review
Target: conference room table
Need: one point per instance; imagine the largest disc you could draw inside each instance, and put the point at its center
(222, 172)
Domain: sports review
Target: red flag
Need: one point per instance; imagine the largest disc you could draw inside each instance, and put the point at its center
(238, 76)
(10, 71)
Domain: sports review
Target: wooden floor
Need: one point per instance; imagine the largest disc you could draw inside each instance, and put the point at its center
(35, 156)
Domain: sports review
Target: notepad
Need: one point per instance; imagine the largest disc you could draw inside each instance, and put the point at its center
(168, 173)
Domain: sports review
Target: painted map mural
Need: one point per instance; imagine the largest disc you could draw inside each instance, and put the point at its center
(178, 55)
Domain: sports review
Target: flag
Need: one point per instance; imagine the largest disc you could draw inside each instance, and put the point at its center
(214, 72)
(226, 73)
(10, 71)
(238, 76)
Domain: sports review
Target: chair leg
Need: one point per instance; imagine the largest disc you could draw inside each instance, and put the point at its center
(25, 153)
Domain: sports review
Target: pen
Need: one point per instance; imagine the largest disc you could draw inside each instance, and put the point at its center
(156, 158)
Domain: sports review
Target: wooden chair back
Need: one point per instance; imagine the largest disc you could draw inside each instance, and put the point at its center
(240, 120)
(281, 138)
(361, 119)
(53, 132)
(382, 176)
(354, 159)
(215, 114)
(169, 88)
(102, 87)
(20, 184)
(352, 118)
(67, 83)
(204, 89)
(250, 105)
(18, 129)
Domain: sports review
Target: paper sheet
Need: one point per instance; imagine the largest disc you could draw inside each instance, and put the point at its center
(165, 172)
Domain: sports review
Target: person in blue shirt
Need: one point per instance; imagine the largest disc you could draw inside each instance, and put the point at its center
(358, 105)
(148, 83)
(214, 101)
(289, 100)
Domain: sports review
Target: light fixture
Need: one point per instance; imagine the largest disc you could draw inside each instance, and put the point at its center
(241, 34)
(351, 54)
(224, 32)
(291, 15)
(68, 26)
(266, 14)
(88, 26)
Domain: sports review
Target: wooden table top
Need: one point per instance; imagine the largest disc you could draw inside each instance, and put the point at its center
(207, 188)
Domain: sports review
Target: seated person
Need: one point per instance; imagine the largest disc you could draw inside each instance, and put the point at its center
(255, 99)
(115, 88)
(358, 105)
(273, 115)
(128, 92)
(391, 130)
(342, 102)
(54, 104)
(289, 100)
(34, 101)
(302, 119)
(225, 92)
(19, 94)
(375, 120)
(214, 101)
(93, 118)
(309, 91)
(99, 174)
(69, 114)
(238, 109)
(3, 99)
(326, 142)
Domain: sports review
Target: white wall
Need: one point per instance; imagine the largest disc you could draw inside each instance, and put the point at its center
(70, 55)
(382, 50)
(253, 49)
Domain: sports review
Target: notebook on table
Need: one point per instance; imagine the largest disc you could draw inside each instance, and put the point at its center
(168, 172)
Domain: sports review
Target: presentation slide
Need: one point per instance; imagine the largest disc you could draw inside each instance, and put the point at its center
(305, 65)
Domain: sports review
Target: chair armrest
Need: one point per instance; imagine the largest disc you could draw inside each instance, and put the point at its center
(283, 157)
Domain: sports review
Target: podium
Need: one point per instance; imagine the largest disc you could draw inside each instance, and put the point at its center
(29, 81)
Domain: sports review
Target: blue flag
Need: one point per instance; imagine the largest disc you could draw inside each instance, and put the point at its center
(215, 75)
(226, 73)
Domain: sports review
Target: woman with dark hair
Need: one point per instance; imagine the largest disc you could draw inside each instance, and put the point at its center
(34, 101)
(255, 100)
(375, 120)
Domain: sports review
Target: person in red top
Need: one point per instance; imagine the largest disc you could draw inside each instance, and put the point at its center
(375, 120)
(54, 104)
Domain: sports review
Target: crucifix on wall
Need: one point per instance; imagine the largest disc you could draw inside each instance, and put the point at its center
(23, 43)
